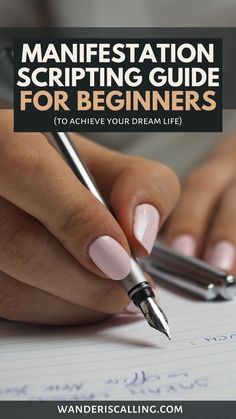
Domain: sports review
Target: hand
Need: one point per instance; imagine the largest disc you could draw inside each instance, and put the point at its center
(204, 221)
(62, 253)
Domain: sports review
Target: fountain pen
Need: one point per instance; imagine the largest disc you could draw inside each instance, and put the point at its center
(135, 284)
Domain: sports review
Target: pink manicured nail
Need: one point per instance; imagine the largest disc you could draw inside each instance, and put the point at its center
(132, 308)
(223, 255)
(184, 244)
(110, 257)
(146, 223)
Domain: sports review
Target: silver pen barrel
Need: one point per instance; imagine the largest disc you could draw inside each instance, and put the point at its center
(191, 274)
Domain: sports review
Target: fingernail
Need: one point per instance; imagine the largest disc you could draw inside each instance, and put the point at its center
(146, 223)
(132, 308)
(110, 257)
(222, 255)
(184, 244)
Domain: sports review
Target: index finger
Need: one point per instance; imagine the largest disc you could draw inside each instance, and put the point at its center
(141, 192)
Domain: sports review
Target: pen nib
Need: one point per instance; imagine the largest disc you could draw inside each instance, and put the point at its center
(155, 316)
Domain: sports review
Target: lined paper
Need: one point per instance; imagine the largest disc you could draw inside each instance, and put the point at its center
(123, 358)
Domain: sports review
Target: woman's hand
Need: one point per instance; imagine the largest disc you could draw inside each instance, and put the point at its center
(62, 254)
(204, 221)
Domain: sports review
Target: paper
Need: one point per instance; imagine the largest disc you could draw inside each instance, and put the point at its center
(124, 358)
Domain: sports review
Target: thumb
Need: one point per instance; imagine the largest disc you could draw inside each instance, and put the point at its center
(34, 177)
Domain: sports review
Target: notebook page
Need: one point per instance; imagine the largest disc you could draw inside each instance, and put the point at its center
(123, 358)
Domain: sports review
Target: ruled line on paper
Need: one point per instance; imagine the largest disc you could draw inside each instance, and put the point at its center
(127, 361)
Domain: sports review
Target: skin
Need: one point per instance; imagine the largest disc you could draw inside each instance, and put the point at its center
(48, 220)
(207, 206)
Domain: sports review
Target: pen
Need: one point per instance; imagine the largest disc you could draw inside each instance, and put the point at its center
(190, 274)
(135, 284)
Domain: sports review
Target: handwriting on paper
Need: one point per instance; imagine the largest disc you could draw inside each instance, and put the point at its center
(135, 384)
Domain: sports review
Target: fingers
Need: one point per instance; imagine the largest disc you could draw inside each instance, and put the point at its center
(34, 177)
(20, 302)
(30, 254)
(221, 244)
(23, 303)
(142, 193)
(142, 197)
(203, 189)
